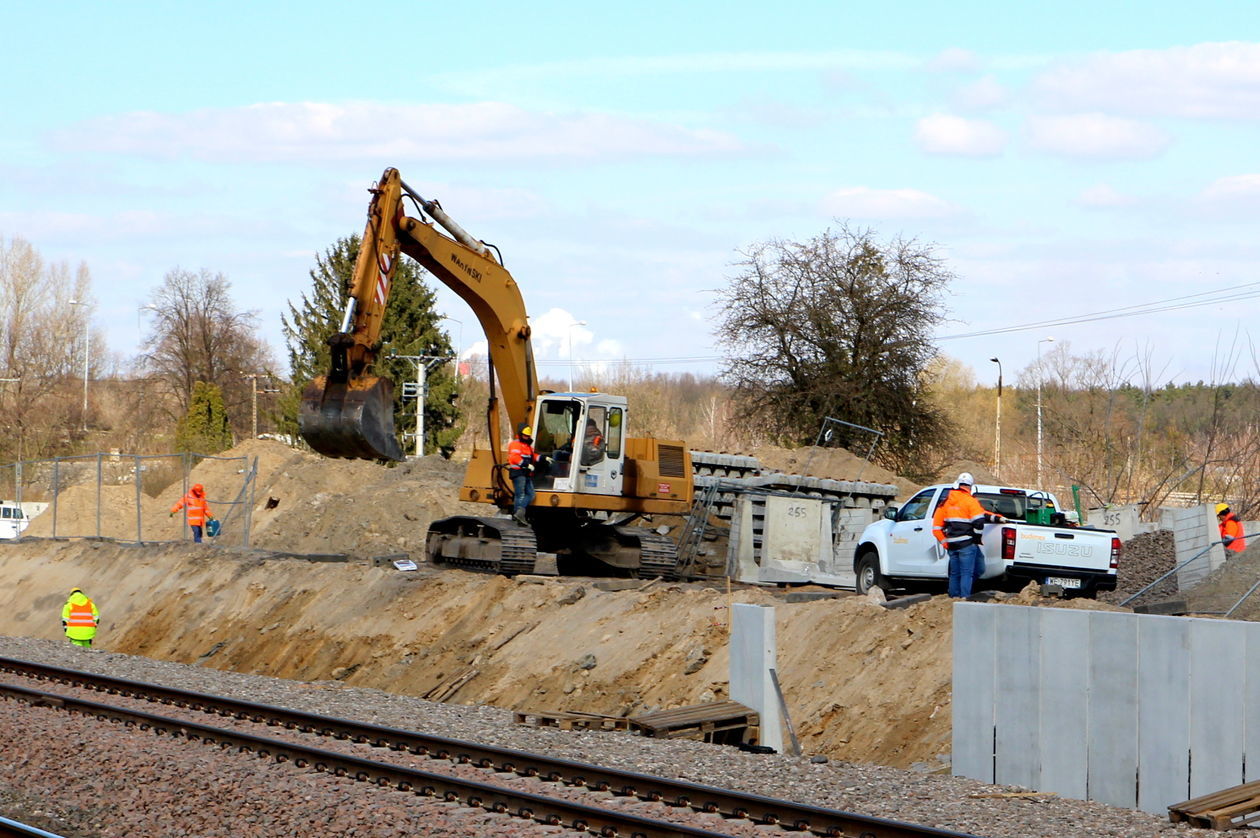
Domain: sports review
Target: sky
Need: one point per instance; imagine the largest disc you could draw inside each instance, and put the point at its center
(1069, 162)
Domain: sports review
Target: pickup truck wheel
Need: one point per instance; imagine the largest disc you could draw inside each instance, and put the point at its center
(868, 575)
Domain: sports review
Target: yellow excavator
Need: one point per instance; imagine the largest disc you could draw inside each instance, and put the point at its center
(588, 495)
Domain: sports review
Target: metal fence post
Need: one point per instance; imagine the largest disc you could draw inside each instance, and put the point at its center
(56, 491)
(249, 509)
(98, 494)
(139, 477)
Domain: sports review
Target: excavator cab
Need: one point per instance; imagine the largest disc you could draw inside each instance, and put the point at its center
(583, 436)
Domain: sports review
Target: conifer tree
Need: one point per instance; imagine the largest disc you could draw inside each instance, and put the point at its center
(204, 429)
(410, 327)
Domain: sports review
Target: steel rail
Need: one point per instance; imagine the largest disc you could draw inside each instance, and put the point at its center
(15, 829)
(470, 793)
(729, 803)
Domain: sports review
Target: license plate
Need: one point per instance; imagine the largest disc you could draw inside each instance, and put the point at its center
(1063, 581)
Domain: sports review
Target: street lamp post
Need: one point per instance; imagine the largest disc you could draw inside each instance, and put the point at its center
(571, 328)
(459, 347)
(997, 431)
(86, 342)
(1039, 343)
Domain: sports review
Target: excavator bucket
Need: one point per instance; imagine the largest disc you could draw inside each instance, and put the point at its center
(353, 419)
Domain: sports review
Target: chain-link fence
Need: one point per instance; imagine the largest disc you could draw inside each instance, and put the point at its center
(128, 497)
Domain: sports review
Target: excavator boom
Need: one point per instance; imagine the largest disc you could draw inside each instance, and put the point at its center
(350, 411)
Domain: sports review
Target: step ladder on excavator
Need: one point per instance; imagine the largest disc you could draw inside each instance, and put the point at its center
(694, 530)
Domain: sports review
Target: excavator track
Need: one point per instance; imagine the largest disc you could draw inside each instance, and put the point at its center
(658, 555)
(470, 543)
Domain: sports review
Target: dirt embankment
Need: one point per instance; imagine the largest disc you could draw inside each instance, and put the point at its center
(864, 683)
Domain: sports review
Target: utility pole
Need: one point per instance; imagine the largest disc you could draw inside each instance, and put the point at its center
(1039, 343)
(997, 433)
(253, 378)
(419, 389)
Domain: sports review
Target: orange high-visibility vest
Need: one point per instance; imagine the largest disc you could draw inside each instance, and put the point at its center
(197, 510)
(1231, 527)
(519, 454)
(959, 520)
(81, 617)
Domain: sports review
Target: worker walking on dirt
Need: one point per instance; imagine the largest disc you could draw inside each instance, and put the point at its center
(196, 509)
(79, 618)
(521, 464)
(1231, 529)
(958, 524)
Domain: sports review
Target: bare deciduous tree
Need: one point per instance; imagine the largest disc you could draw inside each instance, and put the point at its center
(840, 326)
(41, 342)
(199, 334)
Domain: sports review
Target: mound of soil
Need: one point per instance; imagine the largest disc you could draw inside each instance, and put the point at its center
(300, 503)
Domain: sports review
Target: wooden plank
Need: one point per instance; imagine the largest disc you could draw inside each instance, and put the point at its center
(1229, 808)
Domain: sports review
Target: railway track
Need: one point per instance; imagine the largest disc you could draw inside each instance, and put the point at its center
(492, 792)
(15, 829)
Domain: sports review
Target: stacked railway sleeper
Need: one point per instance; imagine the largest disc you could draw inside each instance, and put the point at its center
(465, 786)
(710, 542)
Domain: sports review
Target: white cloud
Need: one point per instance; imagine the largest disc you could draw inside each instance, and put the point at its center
(320, 131)
(947, 134)
(1233, 192)
(953, 59)
(864, 202)
(1094, 135)
(982, 94)
(1104, 196)
(1217, 80)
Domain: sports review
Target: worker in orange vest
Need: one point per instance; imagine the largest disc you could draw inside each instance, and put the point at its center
(958, 524)
(1231, 529)
(521, 461)
(79, 618)
(197, 510)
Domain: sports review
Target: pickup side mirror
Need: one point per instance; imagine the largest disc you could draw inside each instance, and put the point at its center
(890, 512)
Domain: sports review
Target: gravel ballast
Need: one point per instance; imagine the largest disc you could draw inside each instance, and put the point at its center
(125, 784)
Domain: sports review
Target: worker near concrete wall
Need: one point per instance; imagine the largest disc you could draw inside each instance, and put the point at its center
(1231, 529)
(196, 509)
(79, 618)
(521, 463)
(958, 524)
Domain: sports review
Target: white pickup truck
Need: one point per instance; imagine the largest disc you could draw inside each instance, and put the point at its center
(900, 551)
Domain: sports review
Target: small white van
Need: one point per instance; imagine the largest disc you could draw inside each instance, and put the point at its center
(13, 519)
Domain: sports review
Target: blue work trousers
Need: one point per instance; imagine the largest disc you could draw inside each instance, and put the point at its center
(522, 491)
(966, 566)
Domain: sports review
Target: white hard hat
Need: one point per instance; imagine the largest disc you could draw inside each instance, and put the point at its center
(965, 479)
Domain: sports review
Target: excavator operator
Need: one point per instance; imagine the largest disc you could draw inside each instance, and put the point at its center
(592, 444)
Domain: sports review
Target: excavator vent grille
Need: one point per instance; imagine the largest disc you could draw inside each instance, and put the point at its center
(672, 461)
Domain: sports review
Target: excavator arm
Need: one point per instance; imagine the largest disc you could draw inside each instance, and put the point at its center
(349, 412)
